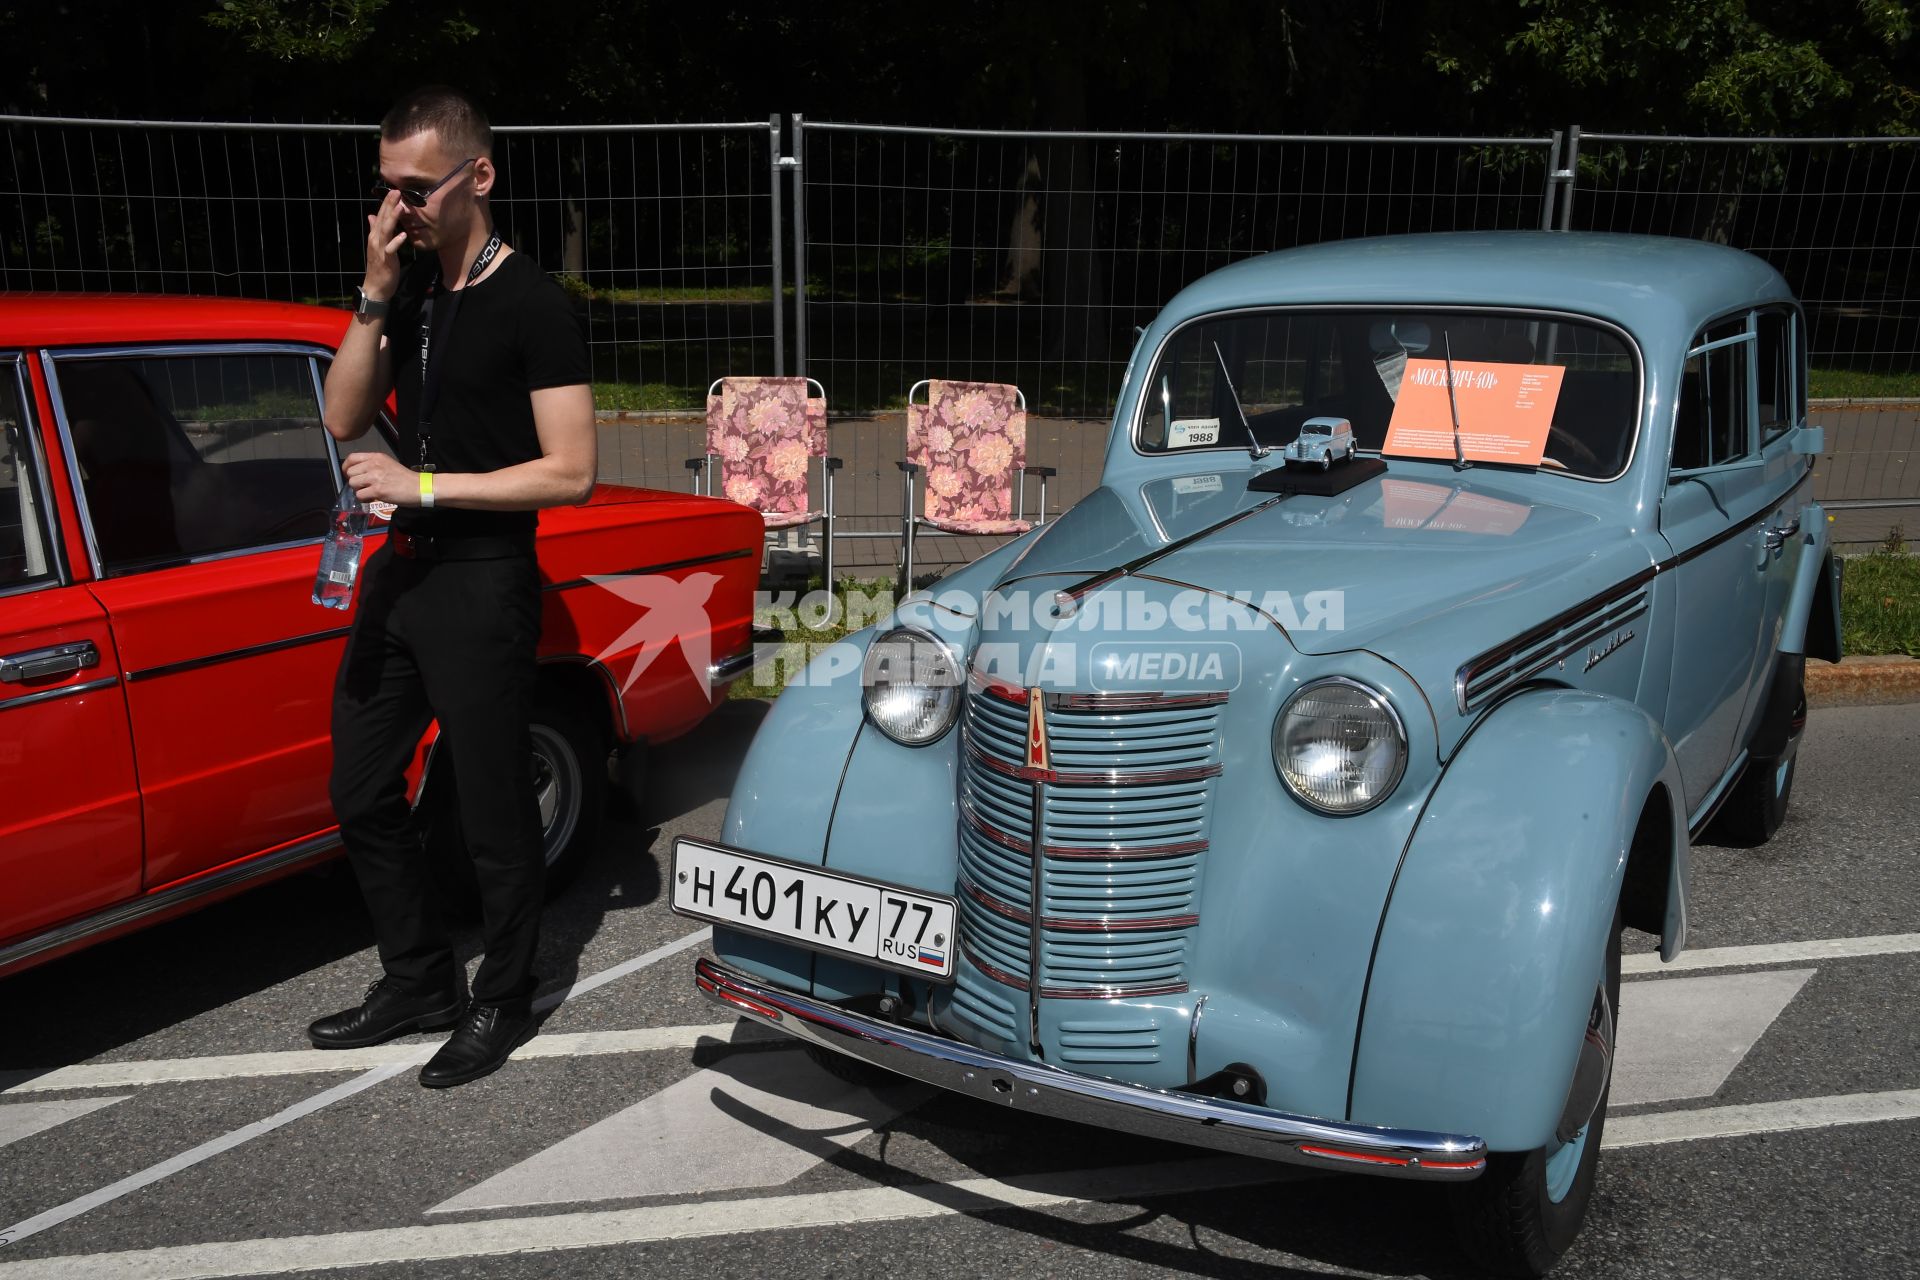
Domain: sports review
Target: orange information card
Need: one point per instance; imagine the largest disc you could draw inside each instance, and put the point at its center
(1505, 411)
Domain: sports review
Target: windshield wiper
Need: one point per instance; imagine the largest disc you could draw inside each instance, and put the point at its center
(1255, 449)
(1460, 462)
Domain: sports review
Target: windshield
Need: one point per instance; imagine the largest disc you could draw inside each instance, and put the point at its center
(1289, 366)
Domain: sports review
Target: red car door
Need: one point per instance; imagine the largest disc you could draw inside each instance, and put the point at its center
(70, 816)
(208, 481)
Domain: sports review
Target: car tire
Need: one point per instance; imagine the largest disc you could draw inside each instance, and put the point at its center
(1518, 1217)
(569, 761)
(1758, 803)
(1326, 460)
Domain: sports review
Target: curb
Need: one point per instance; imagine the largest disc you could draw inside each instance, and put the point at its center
(1863, 682)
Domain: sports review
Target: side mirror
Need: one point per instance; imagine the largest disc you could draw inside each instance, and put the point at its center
(1811, 441)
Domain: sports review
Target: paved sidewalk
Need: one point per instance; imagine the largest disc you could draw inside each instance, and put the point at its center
(1873, 455)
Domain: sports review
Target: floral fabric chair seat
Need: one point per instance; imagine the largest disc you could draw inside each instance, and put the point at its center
(969, 440)
(762, 436)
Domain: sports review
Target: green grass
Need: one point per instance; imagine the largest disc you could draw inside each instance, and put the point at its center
(647, 397)
(1852, 384)
(1880, 602)
(801, 641)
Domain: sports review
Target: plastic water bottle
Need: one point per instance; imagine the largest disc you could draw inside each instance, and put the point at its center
(340, 553)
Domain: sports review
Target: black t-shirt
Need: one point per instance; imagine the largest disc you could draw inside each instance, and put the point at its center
(515, 333)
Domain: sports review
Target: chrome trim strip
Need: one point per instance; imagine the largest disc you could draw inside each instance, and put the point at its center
(1104, 777)
(1193, 1038)
(1473, 681)
(1036, 905)
(125, 913)
(64, 691)
(231, 655)
(1082, 852)
(1489, 684)
(74, 483)
(1138, 991)
(1116, 701)
(1596, 601)
(667, 567)
(60, 570)
(727, 670)
(1213, 1123)
(1067, 924)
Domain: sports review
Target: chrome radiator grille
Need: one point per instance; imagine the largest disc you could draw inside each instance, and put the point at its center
(1124, 835)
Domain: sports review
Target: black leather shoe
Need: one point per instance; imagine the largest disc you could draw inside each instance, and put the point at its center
(385, 1013)
(487, 1038)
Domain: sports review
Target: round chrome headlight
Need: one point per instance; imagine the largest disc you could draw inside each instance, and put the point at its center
(1339, 746)
(912, 684)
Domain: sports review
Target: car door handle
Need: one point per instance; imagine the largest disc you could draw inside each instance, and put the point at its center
(1777, 536)
(37, 664)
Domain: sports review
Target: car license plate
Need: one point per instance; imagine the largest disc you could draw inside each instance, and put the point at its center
(896, 928)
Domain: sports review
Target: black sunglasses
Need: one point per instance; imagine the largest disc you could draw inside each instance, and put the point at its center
(418, 199)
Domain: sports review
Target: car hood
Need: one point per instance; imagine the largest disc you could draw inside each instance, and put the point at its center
(1422, 565)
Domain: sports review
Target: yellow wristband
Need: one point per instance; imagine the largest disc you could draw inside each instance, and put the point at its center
(426, 488)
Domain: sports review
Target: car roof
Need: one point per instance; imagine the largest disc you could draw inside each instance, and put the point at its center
(103, 319)
(1642, 283)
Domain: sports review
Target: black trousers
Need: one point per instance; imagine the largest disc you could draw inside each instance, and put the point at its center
(450, 640)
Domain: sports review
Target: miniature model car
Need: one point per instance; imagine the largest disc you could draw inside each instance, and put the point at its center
(166, 680)
(1314, 841)
(1321, 440)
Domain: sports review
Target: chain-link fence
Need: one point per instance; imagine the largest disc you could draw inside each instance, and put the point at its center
(668, 235)
(1835, 216)
(1013, 257)
(1030, 258)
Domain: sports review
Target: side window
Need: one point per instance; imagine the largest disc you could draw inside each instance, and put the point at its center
(192, 455)
(1776, 390)
(23, 507)
(1711, 418)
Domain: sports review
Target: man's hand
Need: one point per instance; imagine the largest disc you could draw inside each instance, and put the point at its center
(376, 477)
(384, 238)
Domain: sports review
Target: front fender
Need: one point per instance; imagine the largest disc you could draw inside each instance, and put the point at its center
(784, 794)
(1494, 934)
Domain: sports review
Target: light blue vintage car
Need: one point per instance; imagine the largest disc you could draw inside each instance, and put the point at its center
(1306, 826)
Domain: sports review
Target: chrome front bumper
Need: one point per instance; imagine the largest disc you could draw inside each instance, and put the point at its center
(1108, 1104)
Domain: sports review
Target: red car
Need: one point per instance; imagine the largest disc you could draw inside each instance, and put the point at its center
(166, 679)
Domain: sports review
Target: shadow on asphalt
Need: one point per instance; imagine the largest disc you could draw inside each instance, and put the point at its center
(92, 1002)
(1366, 1224)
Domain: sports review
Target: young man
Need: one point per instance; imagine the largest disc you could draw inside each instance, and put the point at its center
(495, 422)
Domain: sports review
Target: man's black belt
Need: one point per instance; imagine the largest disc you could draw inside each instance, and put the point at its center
(429, 546)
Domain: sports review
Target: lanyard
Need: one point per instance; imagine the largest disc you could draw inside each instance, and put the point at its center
(429, 372)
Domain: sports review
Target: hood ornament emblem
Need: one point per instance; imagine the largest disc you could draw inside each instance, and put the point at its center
(1039, 767)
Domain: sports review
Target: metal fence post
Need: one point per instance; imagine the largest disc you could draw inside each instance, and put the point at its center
(1573, 176)
(796, 166)
(1550, 198)
(779, 265)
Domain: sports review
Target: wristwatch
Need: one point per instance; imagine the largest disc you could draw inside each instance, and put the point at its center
(367, 308)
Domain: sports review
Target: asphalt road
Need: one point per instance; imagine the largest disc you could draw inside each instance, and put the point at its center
(643, 1134)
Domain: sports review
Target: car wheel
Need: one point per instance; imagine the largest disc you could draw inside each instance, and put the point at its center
(1758, 803)
(1326, 460)
(568, 761)
(1519, 1216)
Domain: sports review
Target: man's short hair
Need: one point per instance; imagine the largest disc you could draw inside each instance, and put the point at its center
(458, 119)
